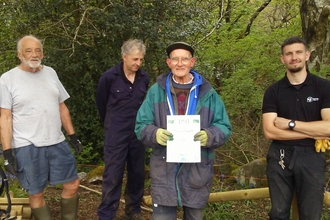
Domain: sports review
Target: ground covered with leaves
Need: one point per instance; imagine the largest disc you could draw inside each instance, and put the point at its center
(90, 197)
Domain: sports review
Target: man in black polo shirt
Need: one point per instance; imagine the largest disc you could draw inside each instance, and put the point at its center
(296, 111)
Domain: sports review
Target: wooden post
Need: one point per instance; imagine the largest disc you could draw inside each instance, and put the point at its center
(295, 213)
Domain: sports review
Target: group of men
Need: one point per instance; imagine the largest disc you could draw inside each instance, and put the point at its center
(296, 112)
(134, 118)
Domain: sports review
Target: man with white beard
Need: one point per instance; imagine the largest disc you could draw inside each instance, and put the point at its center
(34, 147)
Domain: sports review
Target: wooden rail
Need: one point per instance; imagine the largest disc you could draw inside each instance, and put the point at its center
(246, 194)
(20, 207)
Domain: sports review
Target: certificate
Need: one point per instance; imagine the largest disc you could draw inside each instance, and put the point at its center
(183, 149)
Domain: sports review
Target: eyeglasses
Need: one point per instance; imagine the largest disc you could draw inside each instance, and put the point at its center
(176, 60)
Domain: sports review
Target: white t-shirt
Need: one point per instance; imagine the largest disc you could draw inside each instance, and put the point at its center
(34, 100)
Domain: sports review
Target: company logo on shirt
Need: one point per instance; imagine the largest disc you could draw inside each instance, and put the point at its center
(311, 99)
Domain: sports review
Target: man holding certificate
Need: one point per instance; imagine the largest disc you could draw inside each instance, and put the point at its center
(183, 120)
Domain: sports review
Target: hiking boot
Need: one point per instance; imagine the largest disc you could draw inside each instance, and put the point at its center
(135, 216)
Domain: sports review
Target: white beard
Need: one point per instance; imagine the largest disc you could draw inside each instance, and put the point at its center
(32, 64)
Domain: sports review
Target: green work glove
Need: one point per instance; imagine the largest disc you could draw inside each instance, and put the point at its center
(162, 136)
(202, 137)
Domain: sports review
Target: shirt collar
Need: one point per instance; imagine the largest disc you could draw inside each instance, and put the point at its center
(308, 80)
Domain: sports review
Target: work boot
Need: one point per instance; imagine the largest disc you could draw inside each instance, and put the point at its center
(135, 216)
(42, 213)
(69, 208)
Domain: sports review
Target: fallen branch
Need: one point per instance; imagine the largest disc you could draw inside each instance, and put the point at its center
(121, 200)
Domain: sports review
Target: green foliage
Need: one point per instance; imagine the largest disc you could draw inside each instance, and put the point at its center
(221, 211)
(242, 67)
(13, 184)
(88, 155)
(7, 38)
(82, 39)
(15, 187)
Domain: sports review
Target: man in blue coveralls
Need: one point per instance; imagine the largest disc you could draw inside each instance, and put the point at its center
(120, 92)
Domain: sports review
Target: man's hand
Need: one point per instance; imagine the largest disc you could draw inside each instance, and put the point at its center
(162, 136)
(10, 162)
(202, 137)
(76, 144)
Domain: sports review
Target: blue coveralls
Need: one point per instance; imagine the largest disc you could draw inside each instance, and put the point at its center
(118, 101)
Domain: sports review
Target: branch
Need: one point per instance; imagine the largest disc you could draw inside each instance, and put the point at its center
(121, 200)
(254, 16)
(59, 20)
(215, 26)
(76, 32)
(80, 23)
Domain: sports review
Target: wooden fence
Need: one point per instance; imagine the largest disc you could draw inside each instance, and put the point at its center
(20, 207)
(247, 194)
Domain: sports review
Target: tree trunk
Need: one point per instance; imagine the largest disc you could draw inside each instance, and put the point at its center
(316, 30)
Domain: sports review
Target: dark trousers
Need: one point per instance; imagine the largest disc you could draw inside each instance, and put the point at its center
(169, 213)
(132, 154)
(304, 172)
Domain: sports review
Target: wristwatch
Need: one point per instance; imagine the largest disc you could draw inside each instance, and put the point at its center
(292, 124)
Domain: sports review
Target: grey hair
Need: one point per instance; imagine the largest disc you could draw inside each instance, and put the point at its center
(19, 42)
(131, 45)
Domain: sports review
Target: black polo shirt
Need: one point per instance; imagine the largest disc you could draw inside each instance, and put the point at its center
(298, 102)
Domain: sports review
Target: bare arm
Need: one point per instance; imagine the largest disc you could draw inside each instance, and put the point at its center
(314, 128)
(66, 119)
(276, 128)
(6, 124)
(272, 132)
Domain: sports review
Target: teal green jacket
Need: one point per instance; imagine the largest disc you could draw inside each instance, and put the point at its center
(186, 184)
